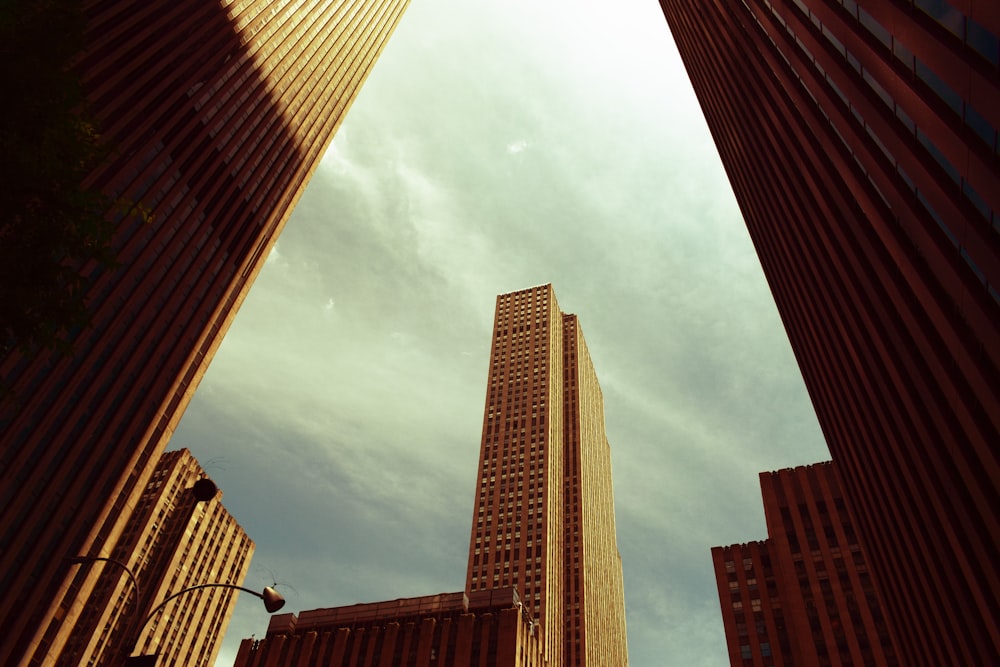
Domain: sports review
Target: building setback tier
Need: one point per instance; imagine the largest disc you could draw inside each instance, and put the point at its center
(487, 629)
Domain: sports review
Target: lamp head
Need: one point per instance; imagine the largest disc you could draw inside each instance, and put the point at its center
(204, 489)
(272, 600)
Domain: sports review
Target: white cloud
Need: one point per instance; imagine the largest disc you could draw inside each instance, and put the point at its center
(517, 146)
(274, 255)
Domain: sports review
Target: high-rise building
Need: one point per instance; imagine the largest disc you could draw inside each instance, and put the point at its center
(861, 142)
(543, 520)
(172, 541)
(218, 113)
(543, 525)
(804, 596)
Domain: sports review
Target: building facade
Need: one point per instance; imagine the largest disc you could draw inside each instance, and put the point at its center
(488, 629)
(218, 113)
(804, 596)
(861, 143)
(172, 541)
(543, 519)
(543, 550)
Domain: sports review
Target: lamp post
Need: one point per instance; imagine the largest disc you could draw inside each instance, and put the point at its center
(273, 601)
(124, 643)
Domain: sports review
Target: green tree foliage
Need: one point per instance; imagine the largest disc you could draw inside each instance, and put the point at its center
(51, 228)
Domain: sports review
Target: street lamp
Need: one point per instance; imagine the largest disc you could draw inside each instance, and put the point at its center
(273, 601)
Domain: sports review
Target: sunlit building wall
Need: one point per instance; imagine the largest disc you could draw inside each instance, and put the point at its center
(861, 143)
(218, 113)
(804, 596)
(171, 542)
(593, 591)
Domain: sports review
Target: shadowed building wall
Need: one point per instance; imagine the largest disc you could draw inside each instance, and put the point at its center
(218, 112)
(804, 596)
(861, 143)
(171, 542)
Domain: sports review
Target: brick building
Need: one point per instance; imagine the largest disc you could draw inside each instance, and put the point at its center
(488, 629)
(804, 596)
(543, 518)
(861, 142)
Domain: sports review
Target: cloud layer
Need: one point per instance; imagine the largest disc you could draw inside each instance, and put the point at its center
(498, 146)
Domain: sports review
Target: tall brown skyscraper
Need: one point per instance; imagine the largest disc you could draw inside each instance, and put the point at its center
(171, 542)
(543, 555)
(544, 514)
(804, 596)
(861, 142)
(218, 113)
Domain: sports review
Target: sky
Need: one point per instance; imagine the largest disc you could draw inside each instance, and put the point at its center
(497, 146)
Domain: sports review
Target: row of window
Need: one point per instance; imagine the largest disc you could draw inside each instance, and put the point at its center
(967, 114)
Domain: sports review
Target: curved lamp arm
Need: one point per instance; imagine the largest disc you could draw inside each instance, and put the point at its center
(82, 560)
(272, 600)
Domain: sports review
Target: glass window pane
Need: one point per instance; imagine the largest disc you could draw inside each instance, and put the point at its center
(937, 84)
(983, 42)
(938, 155)
(874, 27)
(952, 19)
(903, 54)
(980, 126)
(977, 201)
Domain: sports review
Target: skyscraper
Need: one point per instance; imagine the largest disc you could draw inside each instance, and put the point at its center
(543, 538)
(171, 541)
(544, 514)
(861, 142)
(218, 113)
(804, 596)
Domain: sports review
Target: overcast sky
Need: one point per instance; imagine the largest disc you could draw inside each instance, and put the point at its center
(497, 146)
